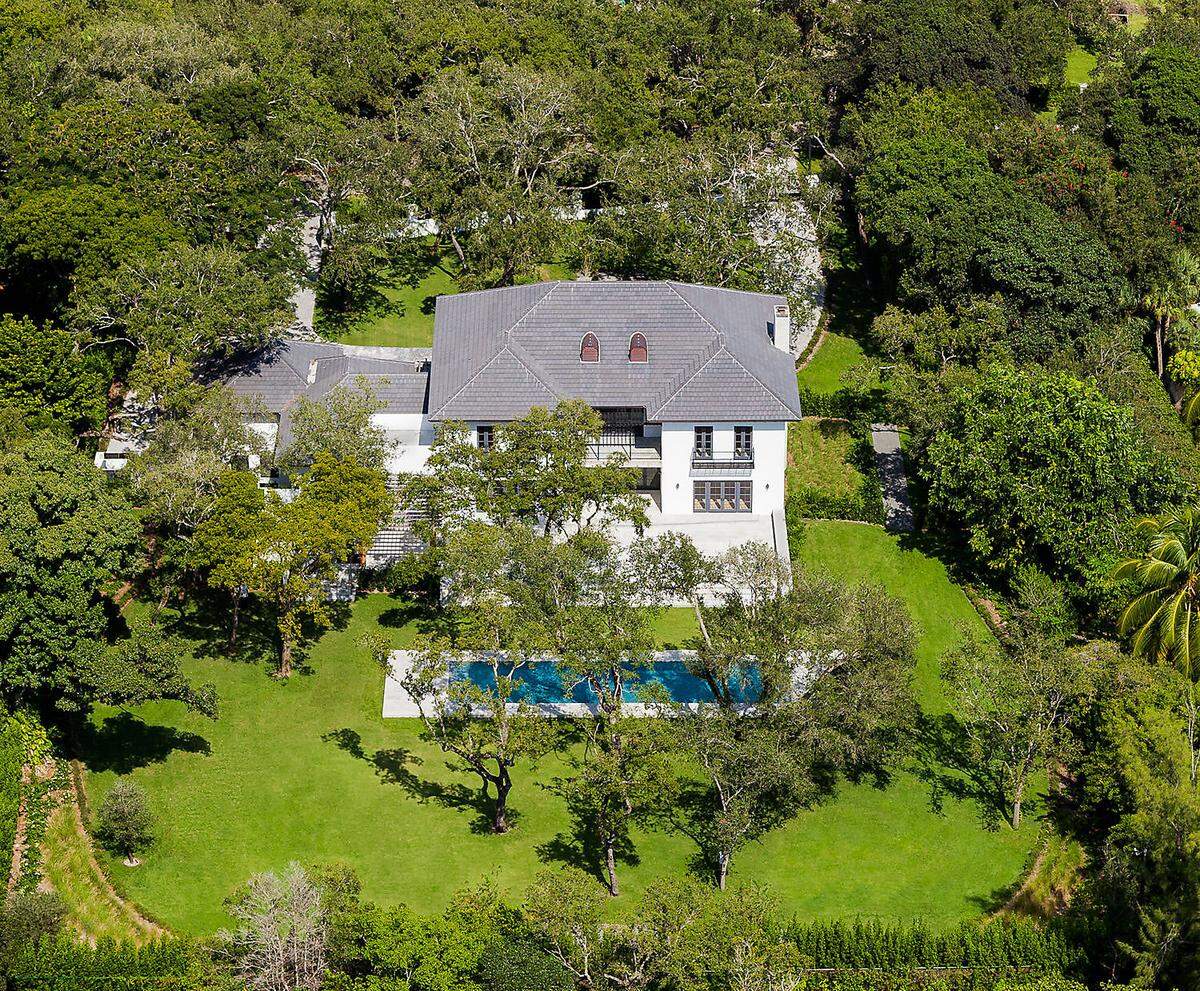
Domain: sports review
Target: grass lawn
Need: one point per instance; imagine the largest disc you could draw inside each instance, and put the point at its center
(1080, 65)
(401, 315)
(308, 770)
(819, 454)
(824, 373)
(90, 908)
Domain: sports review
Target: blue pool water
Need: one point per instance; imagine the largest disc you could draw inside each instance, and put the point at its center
(541, 682)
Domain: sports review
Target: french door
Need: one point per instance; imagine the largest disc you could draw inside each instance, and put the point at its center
(723, 496)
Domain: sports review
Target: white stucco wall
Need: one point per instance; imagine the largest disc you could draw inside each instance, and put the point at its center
(413, 435)
(770, 461)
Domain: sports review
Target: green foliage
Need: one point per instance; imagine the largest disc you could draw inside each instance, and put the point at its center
(946, 44)
(12, 759)
(123, 822)
(339, 425)
(521, 966)
(1032, 466)
(43, 375)
(1002, 943)
(65, 535)
(181, 310)
(63, 963)
(25, 918)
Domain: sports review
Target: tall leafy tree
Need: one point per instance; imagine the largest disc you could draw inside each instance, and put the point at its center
(497, 612)
(180, 311)
(1038, 467)
(66, 539)
(298, 547)
(1019, 697)
(43, 375)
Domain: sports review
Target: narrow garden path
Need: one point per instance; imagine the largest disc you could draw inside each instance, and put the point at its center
(898, 515)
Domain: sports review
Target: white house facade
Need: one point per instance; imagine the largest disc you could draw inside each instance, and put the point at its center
(695, 385)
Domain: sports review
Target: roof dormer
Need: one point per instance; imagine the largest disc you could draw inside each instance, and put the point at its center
(589, 348)
(638, 352)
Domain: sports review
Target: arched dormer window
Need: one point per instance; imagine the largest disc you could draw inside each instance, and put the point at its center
(637, 348)
(589, 348)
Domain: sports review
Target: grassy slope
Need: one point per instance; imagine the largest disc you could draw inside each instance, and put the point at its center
(404, 317)
(837, 353)
(1080, 65)
(308, 770)
(818, 453)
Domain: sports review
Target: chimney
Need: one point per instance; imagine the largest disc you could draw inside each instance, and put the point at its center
(782, 328)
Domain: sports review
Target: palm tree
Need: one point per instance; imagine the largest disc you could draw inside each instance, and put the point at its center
(1164, 616)
(1170, 301)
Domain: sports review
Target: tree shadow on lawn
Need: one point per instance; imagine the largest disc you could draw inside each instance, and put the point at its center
(942, 759)
(429, 621)
(394, 766)
(123, 743)
(580, 846)
(205, 623)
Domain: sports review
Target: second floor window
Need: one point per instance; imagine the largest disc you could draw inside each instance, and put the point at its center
(702, 444)
(743, 441)
(484, 436)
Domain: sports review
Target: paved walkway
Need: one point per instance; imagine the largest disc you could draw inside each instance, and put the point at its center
(898, 515)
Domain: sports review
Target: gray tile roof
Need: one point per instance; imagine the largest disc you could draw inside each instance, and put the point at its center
(280, 375)
(499, 352)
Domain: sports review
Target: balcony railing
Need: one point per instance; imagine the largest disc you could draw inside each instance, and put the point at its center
(626, 443)
(742, 457)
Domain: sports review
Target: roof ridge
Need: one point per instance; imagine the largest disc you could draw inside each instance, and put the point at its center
(676, 389)
(487, 364)
(766, 388)
(686, 302)
(551, 286)
(724, 350)
(518, 350)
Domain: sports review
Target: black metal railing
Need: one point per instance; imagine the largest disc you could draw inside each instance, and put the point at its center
(627, 443)
(741, 457)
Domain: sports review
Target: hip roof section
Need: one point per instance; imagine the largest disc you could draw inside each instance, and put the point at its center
(499, 352)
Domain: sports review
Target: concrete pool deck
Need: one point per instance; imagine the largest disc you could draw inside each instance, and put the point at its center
(399, 704)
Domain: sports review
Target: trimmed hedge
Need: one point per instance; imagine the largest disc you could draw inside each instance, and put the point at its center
(1002, 944)
(12, 756)
(64, 964)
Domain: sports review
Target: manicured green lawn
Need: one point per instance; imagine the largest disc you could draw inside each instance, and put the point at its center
(824, 373)
(819, 454)
(308, 770)
(403, 315)
(1080, 65)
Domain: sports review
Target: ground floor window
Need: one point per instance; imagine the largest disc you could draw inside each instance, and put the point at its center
(722, 497)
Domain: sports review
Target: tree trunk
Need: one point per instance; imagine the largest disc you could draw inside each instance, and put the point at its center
(610, 865)
(500, 815)
(700, 620)
(1159, 334)
(233, 629)
(1018, 794)
(285, 657)
(723, 858)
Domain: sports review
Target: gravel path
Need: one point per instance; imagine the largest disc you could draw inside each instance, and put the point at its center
(898, 515)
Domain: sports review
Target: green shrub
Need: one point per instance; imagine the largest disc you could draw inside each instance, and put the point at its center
(123, 823)
(999, 945)
(61, 963)
(12, 756)
(520, 966)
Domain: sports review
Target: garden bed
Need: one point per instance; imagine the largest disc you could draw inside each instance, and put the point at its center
(831, 472)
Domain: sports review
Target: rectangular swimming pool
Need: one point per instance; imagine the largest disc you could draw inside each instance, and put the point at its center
(543, 683)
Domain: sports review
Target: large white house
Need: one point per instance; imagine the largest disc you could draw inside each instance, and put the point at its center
(696, 386)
